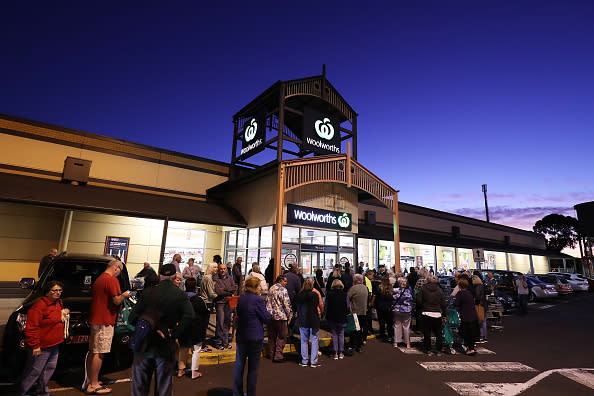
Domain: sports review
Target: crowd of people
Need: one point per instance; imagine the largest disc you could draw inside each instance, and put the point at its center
(176, 306)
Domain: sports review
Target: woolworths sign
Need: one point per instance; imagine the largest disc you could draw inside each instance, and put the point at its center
(321, 133)
(321, 218)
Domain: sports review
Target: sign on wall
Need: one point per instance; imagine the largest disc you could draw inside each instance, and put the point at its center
(321, 133)
(321, 218)
(254, 136)
(117, 246)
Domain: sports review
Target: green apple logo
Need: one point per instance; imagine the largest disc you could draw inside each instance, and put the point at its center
(250, 130)
(344, 221)
(324, 129)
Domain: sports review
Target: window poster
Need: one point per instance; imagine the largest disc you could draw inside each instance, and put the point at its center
(117, 246)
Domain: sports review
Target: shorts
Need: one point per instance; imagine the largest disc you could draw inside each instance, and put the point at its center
(100, 338)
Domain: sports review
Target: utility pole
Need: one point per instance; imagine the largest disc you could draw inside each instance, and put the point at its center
(486, 206)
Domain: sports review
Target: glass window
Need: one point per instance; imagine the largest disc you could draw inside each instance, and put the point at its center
(186, 240)
(346, 240)
(230, 257)
(241, 239)
(232, 238)
(465, 259)
(266, 237)
(445, 259)
(252, 258)
(319, 237)
(291, 259)
(253, 237)
(265, 255)
(386, 253)
(366, 250)
(290, 234)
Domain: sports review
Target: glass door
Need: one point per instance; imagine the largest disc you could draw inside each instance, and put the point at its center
(327, 261)
(309, 261)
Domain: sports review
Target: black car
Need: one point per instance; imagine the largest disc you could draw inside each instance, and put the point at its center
(78, 272)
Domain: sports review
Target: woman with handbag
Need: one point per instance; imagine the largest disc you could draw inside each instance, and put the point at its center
(43, 334)
(469, 328)
(481, 304)
(401, 309)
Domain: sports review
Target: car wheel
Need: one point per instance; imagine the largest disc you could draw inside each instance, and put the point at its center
(532, 297)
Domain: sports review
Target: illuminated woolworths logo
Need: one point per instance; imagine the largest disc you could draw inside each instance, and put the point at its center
(344, 221)
(324, 129)
(250, 130)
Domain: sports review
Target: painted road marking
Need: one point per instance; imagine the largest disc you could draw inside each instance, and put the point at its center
(416, 351)
(475, 366)
(584, 376)
(546, 307)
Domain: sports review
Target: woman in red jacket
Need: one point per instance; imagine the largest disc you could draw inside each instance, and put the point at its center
(44, 333)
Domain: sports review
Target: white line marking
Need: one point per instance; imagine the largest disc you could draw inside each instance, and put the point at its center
(546, 307)
(410, 351)
(484, 351)
(475, 366)
(583, 376)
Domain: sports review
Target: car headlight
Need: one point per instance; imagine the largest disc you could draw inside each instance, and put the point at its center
(21, 320)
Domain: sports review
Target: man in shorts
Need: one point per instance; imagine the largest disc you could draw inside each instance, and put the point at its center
(105, 301)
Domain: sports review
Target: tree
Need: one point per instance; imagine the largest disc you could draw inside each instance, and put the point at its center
(559, 231)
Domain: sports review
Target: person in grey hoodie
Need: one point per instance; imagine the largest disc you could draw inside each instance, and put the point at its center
(433, 307)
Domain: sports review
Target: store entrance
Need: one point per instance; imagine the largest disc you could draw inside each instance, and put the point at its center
(311, 261)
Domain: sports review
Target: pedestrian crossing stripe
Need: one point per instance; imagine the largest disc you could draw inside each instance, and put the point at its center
(475, 366)
(546, 307)
(415, 351)
(584, 376)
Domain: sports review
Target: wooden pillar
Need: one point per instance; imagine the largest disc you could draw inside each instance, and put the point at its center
(396, 232)
(354, 132)
(65, 231)
(278, 231)
(349, 175)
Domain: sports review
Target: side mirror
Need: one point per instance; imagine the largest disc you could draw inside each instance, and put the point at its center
(27, 283)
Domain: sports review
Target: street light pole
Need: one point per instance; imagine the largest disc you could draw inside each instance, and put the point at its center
(486, 206)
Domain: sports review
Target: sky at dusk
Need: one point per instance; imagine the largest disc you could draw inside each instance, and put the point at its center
(450, 94)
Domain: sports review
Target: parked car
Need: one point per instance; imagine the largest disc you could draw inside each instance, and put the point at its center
(78, 273)
(540, 290)
(505, 281)
(561, 284)
(509, 304)
(577, 282)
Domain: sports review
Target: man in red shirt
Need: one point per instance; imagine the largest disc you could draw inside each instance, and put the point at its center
(105, 302)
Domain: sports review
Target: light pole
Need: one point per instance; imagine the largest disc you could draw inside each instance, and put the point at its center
(486, 206)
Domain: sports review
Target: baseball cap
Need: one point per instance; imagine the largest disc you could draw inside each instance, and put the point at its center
(167, 270)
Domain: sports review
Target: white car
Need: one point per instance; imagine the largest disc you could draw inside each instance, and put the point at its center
(577, 282)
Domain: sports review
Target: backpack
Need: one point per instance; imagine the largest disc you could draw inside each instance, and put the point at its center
(145, 325)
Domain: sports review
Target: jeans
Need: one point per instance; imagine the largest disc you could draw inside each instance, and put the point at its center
(484, 329)
(251, 351)
(432, 325)
(39, 370)
(277, 338)
(523, 303)
(402, 327)
(306, 333)
(142, 372)
(223, 322)
(337, 330)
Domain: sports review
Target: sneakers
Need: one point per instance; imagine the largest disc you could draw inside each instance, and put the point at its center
(205, 349)
(481, 341)
(227, 347)
(429, 353)
(335, 357)
(341, 356)
(315, 365)
(303, 364)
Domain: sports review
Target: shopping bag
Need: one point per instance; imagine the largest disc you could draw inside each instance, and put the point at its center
(352, 323)
(453, 319)
(448, 335)
(122, 325)
(480, 311)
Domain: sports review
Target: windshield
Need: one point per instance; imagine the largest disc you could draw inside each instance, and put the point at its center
(79, 276)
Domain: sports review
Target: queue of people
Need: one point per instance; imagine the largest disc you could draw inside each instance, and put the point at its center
(179, 315)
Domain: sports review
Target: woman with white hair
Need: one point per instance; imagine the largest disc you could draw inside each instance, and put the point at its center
(401, 308)
(263, 285)
(358, 295)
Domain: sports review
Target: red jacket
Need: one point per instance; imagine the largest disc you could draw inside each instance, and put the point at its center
(44, 324)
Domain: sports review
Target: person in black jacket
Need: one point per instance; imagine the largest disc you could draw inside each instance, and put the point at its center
(195, 337)
(309, 322)
(319, 282)
(434, 309)
(383, 305)
(337, 308)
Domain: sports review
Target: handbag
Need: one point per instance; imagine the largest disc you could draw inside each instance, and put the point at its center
(480, 310)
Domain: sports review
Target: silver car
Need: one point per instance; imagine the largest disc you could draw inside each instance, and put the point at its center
(577, 282)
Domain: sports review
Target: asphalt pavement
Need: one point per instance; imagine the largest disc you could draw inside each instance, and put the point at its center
(550, 351)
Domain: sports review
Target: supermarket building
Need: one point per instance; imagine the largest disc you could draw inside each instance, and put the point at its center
(86, 193)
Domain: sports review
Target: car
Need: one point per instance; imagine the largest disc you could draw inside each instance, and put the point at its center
(540, 290)
(577, 282)
(505, 281)
(78, 272)
(561, 284)
(509, 304)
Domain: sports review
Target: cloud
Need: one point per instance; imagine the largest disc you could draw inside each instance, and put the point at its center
(523, 218)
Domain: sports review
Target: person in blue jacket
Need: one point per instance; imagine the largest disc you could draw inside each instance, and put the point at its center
(251, 317)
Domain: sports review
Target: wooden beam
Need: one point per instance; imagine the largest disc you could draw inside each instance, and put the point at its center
(396, 232)
(278, 231)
